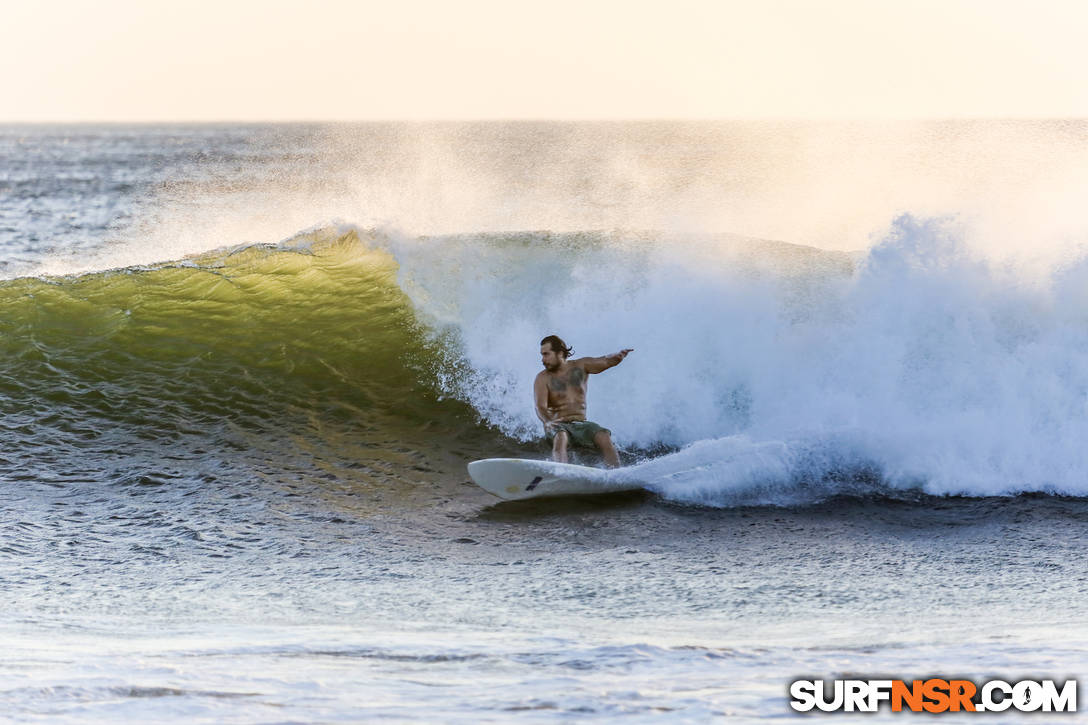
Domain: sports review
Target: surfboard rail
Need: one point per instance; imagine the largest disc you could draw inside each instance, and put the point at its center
(514, 479)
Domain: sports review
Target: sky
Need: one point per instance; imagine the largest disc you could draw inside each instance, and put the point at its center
(345, 60)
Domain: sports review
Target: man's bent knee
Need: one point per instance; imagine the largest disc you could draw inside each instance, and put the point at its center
(559, 446)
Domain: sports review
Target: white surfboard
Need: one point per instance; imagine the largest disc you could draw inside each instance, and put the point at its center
(519, 478)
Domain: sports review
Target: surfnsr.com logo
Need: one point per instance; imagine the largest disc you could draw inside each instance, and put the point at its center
(934, 695)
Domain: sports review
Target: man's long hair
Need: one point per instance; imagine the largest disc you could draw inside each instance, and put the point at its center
(558, 346)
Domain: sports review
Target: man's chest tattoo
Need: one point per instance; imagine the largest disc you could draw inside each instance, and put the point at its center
(575, 378)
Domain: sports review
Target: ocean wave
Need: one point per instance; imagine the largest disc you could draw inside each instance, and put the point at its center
(774, 373)
(300, 356)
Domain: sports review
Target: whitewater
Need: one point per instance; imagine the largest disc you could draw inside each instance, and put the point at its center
(243, 368)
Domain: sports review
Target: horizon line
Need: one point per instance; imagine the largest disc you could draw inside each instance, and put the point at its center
(632, 119)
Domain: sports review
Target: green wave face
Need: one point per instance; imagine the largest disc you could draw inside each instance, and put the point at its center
(273, 355)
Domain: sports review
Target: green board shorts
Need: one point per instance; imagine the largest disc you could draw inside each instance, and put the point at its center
(581, 432)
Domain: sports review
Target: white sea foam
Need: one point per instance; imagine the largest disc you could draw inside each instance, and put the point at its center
(925, 364)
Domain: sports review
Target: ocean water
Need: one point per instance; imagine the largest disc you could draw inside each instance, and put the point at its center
(242, 369)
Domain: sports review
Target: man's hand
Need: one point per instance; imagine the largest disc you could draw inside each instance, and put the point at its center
(619, 356)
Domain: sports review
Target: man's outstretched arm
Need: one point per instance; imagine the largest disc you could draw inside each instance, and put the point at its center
(600, 364)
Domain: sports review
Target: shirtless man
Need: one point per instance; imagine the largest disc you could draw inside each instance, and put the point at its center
(560, 395)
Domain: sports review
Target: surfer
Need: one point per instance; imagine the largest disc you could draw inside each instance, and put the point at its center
(560, 395)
